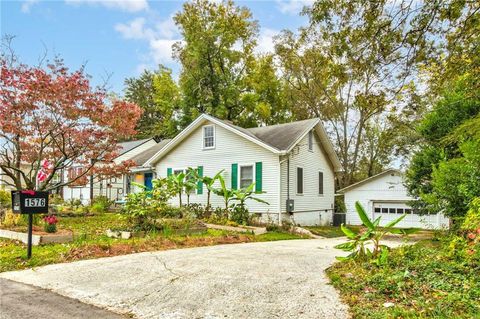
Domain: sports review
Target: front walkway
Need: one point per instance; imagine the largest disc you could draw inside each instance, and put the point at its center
(283, 279)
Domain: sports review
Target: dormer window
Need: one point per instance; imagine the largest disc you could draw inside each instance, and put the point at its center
(208, 137)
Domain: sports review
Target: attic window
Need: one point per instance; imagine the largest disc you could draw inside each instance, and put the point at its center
(208, 137)
(310, 141)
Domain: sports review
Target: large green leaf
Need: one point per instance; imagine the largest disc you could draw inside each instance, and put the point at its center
(348, 232)
(396, 221)
(348, 246)
(363, 215)
(260, 200)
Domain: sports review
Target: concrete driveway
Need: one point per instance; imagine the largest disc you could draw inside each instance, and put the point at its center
(283, 279)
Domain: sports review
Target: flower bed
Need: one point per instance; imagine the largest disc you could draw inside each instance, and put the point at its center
(38, 236)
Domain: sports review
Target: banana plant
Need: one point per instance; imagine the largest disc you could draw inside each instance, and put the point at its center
(241, 195)
(209, 182)
(358, 242)
(224, 192)
(178, 184)
(190, 183)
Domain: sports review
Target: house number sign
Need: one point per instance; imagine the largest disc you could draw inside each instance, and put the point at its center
(29, 202)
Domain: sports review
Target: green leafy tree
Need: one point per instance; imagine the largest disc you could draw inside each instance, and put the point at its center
(159, 97)
(216, 56)
(357, 58)
(444, 173)
(265, 102)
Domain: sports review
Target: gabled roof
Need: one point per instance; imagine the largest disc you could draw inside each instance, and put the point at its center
(130, 145)
(369, 179)
(279, 139)
(144, 156)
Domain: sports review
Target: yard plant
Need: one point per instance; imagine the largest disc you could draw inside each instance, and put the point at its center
(359, 241)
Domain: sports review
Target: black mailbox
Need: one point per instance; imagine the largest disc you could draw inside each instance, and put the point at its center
(29, 202)
(290, 206)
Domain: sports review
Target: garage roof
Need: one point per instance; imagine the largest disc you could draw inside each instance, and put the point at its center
(369, 179)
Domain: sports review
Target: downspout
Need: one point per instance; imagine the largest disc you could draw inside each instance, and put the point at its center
(280, 187)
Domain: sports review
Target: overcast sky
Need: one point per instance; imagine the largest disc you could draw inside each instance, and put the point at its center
(119, 37)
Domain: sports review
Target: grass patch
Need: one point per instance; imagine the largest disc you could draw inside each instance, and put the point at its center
(425, 280)
(329, 231)
(90, 242)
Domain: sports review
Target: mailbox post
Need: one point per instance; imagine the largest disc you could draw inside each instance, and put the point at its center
(29, 202)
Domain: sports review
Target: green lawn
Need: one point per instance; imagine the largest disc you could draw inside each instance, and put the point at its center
(329, 231)
(425, 280)
(90, 241)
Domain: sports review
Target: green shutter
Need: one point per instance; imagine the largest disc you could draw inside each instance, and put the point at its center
(234, 176)
(200, 183)
(169, 171)
(258, 177)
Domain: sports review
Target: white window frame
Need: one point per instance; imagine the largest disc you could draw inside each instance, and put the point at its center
(303, 180)
(323, 183)
(310, 140)
(214, 137)
(239, 178)
(184, 171)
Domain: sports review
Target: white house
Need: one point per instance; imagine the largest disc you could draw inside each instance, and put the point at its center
(385, 195)
(114, 188)
(293, 162)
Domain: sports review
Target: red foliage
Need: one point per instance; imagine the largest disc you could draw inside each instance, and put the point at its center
(56, 115)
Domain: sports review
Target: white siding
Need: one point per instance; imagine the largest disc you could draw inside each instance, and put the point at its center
(385, 189)
(320, 206)
(117, 189)
(229, 148)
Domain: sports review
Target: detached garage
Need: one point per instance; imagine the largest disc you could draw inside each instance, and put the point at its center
(385, 195)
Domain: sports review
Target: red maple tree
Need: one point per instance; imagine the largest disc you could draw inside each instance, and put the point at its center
(51, 115)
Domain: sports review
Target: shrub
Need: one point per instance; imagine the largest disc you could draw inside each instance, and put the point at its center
(220, 216)
(472, 219)
(5, 198)
(240, 215)
(10, 219)
(74, 203)
(100, 204)
(56, 199)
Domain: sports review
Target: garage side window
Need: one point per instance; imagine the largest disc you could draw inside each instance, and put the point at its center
(299, 180)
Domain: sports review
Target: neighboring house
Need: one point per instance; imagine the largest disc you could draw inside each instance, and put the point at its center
(114, 188)
(140, 174)
(293, 162)
(385, 195)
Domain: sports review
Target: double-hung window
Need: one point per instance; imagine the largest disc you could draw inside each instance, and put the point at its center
(299, 180)
(320, 183)
(246, 175)
(209, 137)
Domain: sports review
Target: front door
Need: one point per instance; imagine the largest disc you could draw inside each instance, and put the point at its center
(148, 180)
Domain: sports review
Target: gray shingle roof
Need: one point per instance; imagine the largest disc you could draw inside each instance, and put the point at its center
(280, 136)
(141, 158)
(130, 145)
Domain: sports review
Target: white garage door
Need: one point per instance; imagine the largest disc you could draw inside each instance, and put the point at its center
(390, 211)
